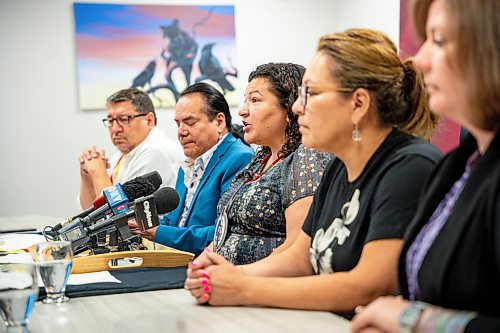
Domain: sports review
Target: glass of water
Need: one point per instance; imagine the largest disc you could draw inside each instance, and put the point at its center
(18, 293)
(54, 263)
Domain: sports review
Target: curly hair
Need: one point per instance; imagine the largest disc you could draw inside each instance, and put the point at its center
(284, 80)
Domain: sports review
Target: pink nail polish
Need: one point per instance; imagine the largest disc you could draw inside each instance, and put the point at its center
(194, 262)
(208, 249)
(207, 289)
(205, 275)
(204, 282)
(205, 297)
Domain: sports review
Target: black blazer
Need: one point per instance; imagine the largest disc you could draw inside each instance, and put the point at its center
(461, 270)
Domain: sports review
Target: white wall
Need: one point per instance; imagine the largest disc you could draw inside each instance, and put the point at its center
(42, 131)
(382, 15)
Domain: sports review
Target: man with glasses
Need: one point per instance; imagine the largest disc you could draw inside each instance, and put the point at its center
(142, 147)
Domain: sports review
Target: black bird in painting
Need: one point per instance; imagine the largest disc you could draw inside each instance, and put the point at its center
(211, 69)
(145, 76)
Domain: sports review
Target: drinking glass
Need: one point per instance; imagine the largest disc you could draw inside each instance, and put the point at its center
(18, 293)
(54, 263)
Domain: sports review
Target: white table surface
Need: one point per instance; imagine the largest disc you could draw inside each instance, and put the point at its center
(164, 310)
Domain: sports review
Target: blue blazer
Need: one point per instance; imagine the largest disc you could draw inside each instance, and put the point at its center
(229, 158)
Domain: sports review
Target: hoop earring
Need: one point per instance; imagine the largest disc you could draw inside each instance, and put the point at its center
(356, 134)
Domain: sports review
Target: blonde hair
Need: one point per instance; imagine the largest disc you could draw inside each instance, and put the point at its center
(369, 59)
(476, 31)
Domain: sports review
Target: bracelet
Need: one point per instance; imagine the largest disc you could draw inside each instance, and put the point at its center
(459, 321)
(410, 316)
(446, 321)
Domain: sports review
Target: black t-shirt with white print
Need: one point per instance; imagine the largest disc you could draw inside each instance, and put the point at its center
(379, 204)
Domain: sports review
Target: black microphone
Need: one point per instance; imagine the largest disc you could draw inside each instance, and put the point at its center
(136, 188)
(146, 210)
(107, 223)
(117, 202)
(163, 201)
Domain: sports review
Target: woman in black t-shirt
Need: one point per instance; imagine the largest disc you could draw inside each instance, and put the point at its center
(361, 103)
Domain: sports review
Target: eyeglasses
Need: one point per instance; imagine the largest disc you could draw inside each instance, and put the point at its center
(304, 93)
(123, 120)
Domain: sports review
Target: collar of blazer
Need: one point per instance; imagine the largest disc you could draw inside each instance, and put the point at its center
(470, 200)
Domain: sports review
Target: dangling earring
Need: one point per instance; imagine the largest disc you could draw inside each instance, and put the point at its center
(356, 134)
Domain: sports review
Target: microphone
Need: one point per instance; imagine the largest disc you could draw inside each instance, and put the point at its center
(117, 202)
(146, 209)
(136, 188)
(117, 199)
(162, 201)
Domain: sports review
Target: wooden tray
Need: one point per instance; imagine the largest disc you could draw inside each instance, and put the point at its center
(156, 255)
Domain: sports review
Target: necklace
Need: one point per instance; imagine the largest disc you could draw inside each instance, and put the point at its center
(222, 224)
(254, 177)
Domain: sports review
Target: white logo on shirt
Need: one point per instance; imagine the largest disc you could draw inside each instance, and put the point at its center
(320, 252)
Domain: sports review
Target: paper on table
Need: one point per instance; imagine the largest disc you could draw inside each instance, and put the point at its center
(97, 277)
(20, 257)
(9, 242)
(86, 278)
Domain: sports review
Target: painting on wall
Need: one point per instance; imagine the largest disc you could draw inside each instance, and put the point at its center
(447, 136)
(160, 49)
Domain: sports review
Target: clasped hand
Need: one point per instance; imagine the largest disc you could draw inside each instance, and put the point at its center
(91, 159)
(212, 279)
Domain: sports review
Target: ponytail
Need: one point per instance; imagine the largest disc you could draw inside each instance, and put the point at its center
(421, 122)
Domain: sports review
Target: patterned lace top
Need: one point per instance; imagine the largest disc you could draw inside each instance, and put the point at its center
(256, 214)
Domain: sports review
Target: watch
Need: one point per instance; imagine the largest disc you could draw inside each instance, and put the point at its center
(410, 316)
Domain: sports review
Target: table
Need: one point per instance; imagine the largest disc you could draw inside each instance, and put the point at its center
(173, 311)
(165, 311)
